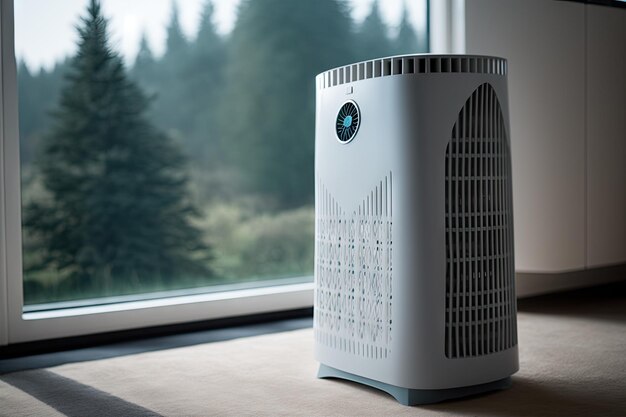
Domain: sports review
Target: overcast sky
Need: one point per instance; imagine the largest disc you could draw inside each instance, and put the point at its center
(45, 30)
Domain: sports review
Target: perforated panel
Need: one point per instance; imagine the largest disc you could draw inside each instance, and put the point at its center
(480, 293)
(354, 273)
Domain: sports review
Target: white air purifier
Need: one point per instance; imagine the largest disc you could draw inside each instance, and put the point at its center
(414, 260)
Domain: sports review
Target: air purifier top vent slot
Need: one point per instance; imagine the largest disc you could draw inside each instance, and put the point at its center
(412, 64)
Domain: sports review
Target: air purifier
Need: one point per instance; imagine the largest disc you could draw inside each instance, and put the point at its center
(414, 260)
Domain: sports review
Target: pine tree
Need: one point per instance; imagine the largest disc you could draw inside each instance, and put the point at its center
(176, 44)
(208, 40)
(275, 51)
(171, 111)
(406, 41)
(144, 62)
(38, 93)
(145, 71)
(117, 212)
(29, 110)
(372, 38)
(203, 88)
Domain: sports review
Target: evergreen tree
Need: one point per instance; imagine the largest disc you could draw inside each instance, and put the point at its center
(170, 110)
(176, 45)
(208, 41)
(28, 111)
(406, 41)
(373, 41)
(203, 88)
(38, 93)
(144, 67)
(117, 212)
(187, 109)
(276, 49)
(146, 72)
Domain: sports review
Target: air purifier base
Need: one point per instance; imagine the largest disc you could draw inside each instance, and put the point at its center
(407, 396)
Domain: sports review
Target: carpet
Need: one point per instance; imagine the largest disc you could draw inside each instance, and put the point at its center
(572, 363)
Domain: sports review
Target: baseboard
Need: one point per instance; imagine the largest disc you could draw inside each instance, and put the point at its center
(530, 284)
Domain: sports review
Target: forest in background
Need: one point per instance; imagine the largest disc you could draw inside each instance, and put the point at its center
(240, 108)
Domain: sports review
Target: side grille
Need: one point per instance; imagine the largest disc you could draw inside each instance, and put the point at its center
(480, 293)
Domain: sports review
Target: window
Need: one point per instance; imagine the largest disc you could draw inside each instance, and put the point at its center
(166, 147)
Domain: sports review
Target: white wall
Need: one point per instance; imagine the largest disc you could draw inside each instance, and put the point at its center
(606, 135)
(567, 109)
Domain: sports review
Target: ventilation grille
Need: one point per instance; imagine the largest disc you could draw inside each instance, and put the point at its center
(411, 65)
(480, 294)
(353, 273)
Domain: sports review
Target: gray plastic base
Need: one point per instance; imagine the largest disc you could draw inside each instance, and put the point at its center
(409, 396)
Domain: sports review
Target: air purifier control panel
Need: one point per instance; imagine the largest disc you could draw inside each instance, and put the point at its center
(348, 121)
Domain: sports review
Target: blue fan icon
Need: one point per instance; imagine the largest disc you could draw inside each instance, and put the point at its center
(348, 121)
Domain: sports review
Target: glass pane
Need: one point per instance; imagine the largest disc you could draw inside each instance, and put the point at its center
(169, 145)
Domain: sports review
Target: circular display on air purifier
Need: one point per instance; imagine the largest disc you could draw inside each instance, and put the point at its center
(348, 121)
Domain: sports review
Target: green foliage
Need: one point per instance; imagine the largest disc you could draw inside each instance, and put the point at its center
(250, 244)
(38, 94)
(115, 207)
(204, 84)
(176, 45)
(275, 51)
(145, 64)
(278, 245)
(186, 84)
(108, 200)
(170, 109)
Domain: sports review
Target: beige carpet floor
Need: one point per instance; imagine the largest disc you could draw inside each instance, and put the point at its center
(572, 363)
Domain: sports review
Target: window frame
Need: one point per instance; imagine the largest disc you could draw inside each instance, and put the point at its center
(16, 326)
